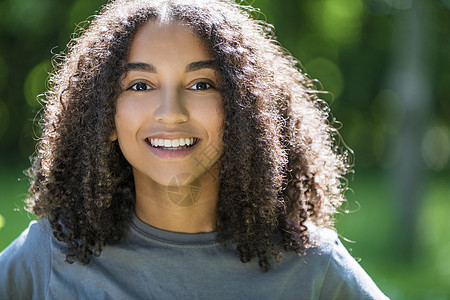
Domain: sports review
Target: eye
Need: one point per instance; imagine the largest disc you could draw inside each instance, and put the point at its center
(140, 86)
(201, 86)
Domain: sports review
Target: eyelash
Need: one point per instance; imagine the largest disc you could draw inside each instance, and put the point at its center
(134, 87)
(208, 84)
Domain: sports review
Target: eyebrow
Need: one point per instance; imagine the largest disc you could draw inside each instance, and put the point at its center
(198, 65)
(140, 67)
(194, 66)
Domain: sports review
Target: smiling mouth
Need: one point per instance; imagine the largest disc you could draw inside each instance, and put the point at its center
(172, 144)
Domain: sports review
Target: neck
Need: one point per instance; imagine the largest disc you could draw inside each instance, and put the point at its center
(180, 208)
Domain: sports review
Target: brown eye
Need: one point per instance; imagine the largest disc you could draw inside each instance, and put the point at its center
(201, 86)
(140, 86)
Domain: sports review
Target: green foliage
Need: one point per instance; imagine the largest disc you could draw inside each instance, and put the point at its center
(34, 85)
(349, 47)
(2, 222)
(372, 207)
(13, 217)
(346, 44)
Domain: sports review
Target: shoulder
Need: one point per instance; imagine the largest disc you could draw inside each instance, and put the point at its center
(34, 239)
(323, 239)
(344, 278)
(27, 258)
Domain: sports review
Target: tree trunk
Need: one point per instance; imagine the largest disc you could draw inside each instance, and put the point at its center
(409, 78)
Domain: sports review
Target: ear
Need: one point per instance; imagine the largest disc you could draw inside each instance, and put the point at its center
(113, 136)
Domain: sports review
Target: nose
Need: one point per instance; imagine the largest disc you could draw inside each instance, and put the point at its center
(171, 107)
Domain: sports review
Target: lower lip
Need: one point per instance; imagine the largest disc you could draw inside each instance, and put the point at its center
(172, 154)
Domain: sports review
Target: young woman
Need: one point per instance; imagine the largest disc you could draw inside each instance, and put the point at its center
(183, 155)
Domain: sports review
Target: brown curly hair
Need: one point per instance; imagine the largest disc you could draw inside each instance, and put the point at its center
(281, 166)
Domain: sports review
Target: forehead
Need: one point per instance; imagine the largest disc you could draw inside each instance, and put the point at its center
(155, 41)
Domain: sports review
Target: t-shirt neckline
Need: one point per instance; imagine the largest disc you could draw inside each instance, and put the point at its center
(171, 237)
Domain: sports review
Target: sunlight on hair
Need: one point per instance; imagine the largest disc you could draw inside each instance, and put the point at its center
(330, 76)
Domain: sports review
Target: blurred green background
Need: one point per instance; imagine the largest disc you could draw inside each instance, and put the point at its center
(387, 66)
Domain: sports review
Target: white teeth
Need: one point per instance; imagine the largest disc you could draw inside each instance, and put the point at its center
(175, 144)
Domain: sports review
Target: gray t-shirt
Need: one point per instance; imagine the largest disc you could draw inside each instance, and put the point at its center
(151, 263)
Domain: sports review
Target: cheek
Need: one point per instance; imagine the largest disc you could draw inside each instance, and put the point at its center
(121, 121)
(127, 117)
(126, 132)
(213, 118)
(209, 111)
(218, 119)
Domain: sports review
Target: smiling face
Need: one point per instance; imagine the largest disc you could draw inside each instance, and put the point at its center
(169, 115)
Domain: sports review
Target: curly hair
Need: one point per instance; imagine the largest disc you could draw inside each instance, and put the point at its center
(281, 166)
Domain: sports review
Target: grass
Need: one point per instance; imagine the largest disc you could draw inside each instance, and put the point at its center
(370, 223)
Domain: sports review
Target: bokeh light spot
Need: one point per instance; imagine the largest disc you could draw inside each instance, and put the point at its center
(339, 21)
(330, 75)
(312, 45)
(35, 82)
(436, 147)
(2, 221)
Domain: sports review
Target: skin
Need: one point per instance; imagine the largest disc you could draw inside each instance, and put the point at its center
(170, 91)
